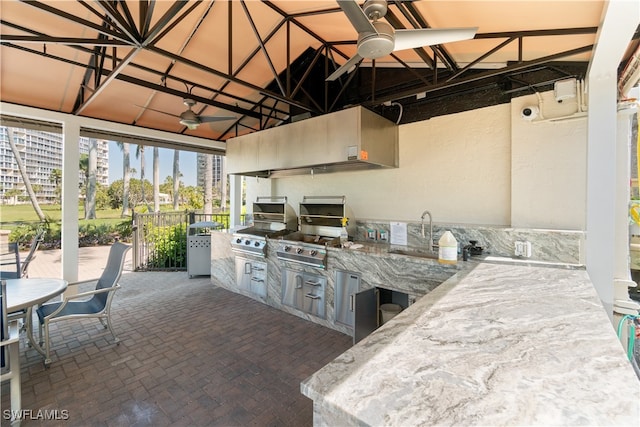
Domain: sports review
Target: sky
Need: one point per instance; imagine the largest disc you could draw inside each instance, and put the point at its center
(187, 164)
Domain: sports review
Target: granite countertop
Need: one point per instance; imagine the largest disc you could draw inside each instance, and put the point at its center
(496, 344)
(386, 250)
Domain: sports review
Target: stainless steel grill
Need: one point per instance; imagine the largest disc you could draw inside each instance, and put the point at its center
(319, 226)
(272, 217)
(297, 251)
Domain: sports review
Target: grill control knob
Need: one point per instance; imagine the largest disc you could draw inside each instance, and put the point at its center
(247, 242)
(299, 250)
(287, 248)
(256, 244)
(313, 252)
(238, 240)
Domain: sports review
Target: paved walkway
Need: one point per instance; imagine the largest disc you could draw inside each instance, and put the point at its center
(91, 262)
(191, 354)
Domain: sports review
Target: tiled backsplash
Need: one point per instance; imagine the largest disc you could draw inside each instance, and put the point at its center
(546, 245)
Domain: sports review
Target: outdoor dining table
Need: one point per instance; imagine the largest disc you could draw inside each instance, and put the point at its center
(24, 294)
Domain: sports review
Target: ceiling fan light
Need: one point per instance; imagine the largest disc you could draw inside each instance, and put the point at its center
(190, 124)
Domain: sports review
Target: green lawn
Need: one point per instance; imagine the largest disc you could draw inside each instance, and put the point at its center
(12, 216)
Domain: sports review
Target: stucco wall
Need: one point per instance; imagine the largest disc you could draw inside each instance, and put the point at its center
(466, 168)
(548, 166)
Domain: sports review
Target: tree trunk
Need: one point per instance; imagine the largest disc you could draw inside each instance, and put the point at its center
(144, 197)
(176, 179)
(156, 179)
(90, 212)
(208, 184)
(25, 177)
(223, 183)
(126, 179)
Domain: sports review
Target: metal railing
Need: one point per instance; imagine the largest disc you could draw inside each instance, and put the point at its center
(160, 238)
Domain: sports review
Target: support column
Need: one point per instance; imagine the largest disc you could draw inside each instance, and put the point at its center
(235, 200)
(70, 198)
(605, 174)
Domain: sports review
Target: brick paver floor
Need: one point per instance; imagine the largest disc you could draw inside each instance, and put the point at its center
(191, 354)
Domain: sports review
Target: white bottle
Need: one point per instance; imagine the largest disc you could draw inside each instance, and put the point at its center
(447, 248)
(344, 234)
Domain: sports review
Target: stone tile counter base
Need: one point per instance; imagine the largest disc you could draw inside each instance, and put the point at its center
(496, 345)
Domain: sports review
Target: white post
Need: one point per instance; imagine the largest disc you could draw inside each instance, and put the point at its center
(70, 197)
(605, 173)
(235, 200)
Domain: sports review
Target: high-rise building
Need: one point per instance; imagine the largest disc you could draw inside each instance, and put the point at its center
(201, 165)
(41, 153)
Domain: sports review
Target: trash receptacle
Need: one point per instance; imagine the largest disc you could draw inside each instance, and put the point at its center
(199, 248)
(389, 311)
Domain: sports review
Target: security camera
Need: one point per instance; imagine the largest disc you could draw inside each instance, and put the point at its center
(529, 113)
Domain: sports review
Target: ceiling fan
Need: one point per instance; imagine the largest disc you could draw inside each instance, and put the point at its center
(378, 38)
(192, 120)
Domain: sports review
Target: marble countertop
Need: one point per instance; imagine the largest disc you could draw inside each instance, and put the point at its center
(496, 344)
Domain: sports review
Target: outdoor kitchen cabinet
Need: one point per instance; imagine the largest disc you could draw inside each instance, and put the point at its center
(347, 285)
(304, 291)
(363, 307)
(251, 276)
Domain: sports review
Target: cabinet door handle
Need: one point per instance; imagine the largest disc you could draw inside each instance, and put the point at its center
(312, 296)
(309, 282)
(298, 282)
(352, 299)
(247, 268)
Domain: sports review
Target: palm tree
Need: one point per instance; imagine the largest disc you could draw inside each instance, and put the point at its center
(25, 176)
(84, 168)
(223, 183)
(156, 179)
(140, 154)
(126, 177)
(208, 184)
(92, 166)
(56, 179)
(176, 179)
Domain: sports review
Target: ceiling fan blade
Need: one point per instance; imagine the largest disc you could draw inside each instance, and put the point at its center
(351, 63)
(158, 111)
(356, 15)
(411, 39)
(211, 119)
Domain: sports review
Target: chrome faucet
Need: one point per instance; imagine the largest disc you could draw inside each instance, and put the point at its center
(430, 228)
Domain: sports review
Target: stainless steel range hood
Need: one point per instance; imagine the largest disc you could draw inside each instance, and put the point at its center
(351, 139)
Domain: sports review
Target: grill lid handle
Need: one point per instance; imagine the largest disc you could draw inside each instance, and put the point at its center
(282, 199)
(309, 198)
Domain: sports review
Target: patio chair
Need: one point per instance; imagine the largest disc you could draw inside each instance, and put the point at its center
(10, 357)
(97, 306)
(35, 243)
(10, 262)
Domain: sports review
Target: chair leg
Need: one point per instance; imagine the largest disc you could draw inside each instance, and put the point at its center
(16, 395)
(110, 326)
(47, 344)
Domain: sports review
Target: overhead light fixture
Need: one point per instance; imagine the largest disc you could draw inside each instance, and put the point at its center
(421, 95)
(191, 124)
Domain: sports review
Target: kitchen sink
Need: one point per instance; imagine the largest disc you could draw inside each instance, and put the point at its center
(415, 252)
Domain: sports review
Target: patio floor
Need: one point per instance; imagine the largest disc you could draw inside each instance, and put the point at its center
(191, 354)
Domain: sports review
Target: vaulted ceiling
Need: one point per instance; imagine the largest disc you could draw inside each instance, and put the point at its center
(262, 62)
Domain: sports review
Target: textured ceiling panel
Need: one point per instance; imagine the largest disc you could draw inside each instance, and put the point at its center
(262, 61)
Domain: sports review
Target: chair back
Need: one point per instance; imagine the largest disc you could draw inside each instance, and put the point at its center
(10, 262)
(37, 239)
(4, 333)
(112, 271)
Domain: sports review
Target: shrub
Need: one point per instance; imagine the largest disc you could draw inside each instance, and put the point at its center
(88, 234)
(167, 247)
